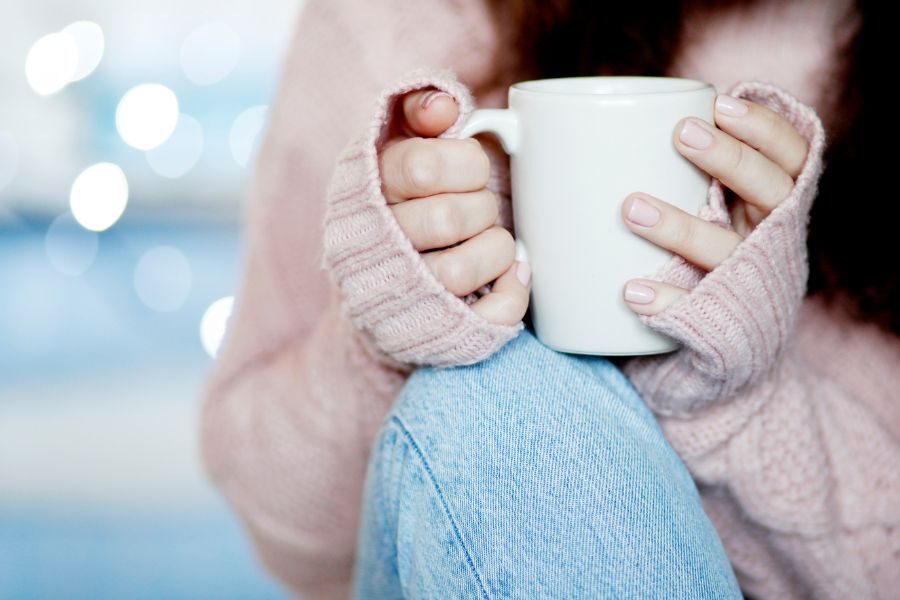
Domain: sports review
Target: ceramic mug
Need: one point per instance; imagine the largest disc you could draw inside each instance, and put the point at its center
(578, 146)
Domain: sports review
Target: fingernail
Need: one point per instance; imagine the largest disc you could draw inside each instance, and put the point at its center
(730, 106)
(695, 136)
(431, 96)
(642, 212)
(523, 272)
(639, 293)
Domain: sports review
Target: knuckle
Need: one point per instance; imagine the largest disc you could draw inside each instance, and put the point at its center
(421, 166)
(738, 157)
(442, 223)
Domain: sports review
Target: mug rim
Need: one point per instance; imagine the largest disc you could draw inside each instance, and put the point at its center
(692, 85)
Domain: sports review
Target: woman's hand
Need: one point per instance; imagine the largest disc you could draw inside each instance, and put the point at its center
(436, 189)
(755, 153)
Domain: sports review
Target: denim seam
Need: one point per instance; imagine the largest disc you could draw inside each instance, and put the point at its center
(437, 488)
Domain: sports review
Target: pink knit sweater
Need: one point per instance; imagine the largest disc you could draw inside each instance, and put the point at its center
(785, 412)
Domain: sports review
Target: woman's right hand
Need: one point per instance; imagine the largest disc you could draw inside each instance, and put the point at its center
(436, 189)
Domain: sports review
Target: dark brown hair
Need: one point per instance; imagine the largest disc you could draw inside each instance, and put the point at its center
(852, 254)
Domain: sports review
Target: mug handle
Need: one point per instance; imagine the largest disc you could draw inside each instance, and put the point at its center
(504, 123)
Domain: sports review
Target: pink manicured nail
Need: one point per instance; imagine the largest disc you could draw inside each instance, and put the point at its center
(523, 272)
(431, 96)
(642, 212)
(638, 293)
(695, 136)
(730, 106)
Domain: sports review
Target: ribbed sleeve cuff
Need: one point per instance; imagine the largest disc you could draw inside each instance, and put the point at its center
(403, 313)
(737, 318)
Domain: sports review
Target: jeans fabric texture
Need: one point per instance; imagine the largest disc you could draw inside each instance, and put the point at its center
(532, 474)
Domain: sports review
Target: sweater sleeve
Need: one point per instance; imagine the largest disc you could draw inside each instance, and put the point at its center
(736, 320)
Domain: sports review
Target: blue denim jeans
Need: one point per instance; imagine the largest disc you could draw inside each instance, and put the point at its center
(533, 474)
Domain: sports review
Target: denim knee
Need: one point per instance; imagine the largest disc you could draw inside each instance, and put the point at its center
(550, 478)
(524, 380)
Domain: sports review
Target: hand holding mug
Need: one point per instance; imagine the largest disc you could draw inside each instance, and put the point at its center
(755, 152)
(435, 188)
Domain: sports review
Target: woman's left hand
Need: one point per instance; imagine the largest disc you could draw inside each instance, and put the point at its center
(754, 152)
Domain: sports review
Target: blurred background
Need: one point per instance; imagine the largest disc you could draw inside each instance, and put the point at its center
(128, 132)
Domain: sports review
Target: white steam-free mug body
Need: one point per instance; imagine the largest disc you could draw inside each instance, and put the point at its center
(578, 146)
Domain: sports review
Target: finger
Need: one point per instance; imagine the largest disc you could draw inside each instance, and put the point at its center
(477, 261)
(508, 301)
(703, 243)
(420, 167)
(647, 297)
(444, 219)
(765, 130)
(428, 113)
(755, 178)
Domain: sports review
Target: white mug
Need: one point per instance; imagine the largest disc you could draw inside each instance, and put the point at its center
(578, 146)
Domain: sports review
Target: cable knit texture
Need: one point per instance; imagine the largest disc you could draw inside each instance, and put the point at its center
(784, 410)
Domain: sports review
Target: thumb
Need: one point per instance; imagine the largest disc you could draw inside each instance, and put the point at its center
(428, 113)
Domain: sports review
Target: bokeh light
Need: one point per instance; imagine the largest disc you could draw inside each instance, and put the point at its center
(121, 222)
(99, 196)
(147, 115)
(210, 53)
(51, 63)
(70, 249)
(89, 42)
(178, 154)
(9, 158)
(245, 131)
(162, 278)
(214, 323)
